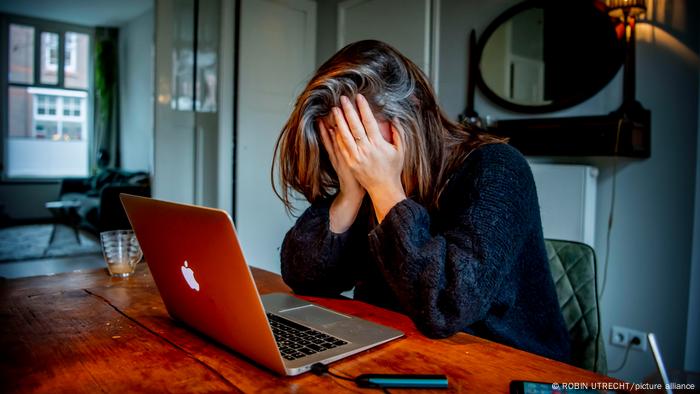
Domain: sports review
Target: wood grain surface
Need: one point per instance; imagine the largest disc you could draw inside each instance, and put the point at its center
(88, 332)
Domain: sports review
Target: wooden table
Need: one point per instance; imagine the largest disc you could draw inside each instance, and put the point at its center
(87, 332)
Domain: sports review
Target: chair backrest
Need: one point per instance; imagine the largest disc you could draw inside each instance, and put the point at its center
(573, 266)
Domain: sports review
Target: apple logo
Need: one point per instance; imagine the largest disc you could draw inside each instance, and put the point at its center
(189, 276)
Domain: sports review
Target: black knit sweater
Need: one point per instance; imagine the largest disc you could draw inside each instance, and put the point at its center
(477, 264)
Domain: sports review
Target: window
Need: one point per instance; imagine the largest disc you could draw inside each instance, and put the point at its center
(47, 127)
(49, 58)
(22, 53)
(58, 114)
(71, 52)
(71, 106)
(76, 60)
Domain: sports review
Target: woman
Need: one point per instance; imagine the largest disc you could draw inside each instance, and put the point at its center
(416, 212)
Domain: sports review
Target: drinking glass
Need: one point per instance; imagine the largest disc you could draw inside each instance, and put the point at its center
(121, 251)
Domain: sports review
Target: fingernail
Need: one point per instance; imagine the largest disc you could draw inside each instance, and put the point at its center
(344, 99)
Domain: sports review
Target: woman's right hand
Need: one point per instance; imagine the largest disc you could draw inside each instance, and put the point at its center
(349, 198)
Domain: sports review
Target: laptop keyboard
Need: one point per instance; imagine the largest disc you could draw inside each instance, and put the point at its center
(296, 341)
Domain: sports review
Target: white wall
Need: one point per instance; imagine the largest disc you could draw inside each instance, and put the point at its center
(652, 234)
(25, 201)
(651, 239)
(136, 92)
(692, 351)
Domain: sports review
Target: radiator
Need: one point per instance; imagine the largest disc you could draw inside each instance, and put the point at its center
(567, 196)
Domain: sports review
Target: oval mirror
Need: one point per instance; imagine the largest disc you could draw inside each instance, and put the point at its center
(543, 56)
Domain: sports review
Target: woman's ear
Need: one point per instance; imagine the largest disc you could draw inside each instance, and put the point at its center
(398, 136)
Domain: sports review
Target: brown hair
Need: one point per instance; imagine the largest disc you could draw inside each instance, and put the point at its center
(397, 88)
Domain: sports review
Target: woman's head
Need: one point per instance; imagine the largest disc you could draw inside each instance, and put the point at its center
(396, 89)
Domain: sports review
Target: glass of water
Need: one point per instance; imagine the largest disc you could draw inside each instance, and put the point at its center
(121, 252)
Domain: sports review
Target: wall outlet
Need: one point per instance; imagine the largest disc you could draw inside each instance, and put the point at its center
(621, 336)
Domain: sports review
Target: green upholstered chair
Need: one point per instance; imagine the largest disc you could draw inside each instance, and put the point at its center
(573, 266)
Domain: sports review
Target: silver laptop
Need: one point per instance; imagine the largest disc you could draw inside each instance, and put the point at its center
(198, 266)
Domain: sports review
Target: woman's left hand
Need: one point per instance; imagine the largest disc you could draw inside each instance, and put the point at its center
(375, 163)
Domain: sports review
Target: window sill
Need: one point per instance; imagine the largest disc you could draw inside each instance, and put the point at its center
(31, 181)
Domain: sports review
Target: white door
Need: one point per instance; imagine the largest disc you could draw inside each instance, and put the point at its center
(415, 36)
(276, 59)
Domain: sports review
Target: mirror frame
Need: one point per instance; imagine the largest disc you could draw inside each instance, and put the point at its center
(534, 109)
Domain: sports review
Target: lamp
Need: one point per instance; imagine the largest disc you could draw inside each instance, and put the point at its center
(629, 8)
(628, 11)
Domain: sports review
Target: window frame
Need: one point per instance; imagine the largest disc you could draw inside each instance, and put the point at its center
(41, 26)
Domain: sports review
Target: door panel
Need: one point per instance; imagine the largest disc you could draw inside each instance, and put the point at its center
(276, 59)
(377, 19)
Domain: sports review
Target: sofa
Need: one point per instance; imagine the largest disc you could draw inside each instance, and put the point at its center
(100, 207)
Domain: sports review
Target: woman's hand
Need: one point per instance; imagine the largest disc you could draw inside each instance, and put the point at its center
(349, 186)
(375, 163)
(349, 199)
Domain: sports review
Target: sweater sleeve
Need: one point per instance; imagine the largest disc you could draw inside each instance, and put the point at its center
(448, 280)
(317, 261)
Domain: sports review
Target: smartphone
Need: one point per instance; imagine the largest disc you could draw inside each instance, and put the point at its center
(525, 387)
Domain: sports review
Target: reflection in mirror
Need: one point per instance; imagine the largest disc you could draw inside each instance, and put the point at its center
(542, 55)
(512, 62)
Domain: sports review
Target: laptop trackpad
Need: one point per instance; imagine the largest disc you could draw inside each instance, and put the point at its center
(313, 314)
